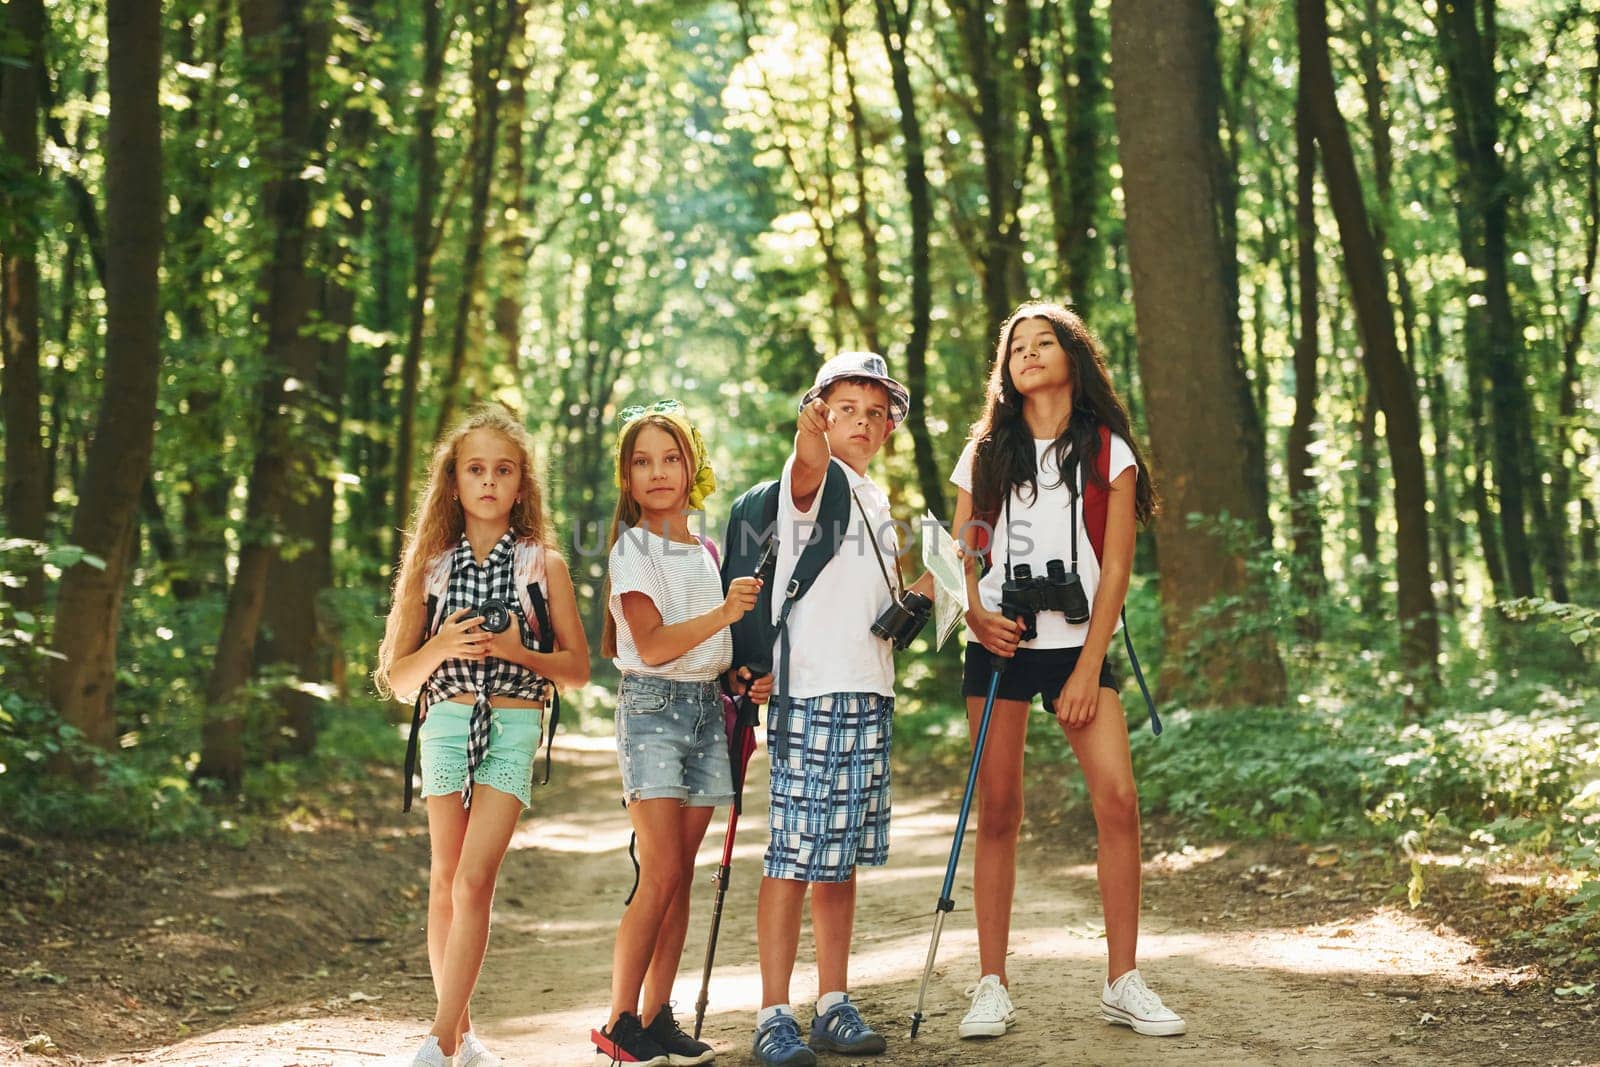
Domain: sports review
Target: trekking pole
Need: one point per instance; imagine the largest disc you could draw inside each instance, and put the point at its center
(742, 745)
(946, 903)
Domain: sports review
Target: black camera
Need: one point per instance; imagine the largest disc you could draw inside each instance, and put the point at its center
(496, 616)
(903, 620)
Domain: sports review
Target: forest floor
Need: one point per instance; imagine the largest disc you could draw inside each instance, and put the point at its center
(307, 948)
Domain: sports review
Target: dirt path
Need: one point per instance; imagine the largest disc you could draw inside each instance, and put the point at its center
(1270, 958)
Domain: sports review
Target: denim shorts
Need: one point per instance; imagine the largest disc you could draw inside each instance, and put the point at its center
(672, 741)
(508, 763)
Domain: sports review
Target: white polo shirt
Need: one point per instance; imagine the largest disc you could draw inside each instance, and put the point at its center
(831, 646)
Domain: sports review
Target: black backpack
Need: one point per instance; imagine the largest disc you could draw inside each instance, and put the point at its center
(752, 526)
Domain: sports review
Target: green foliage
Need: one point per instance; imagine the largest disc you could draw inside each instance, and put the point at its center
(1580, 624)
(143, 795)
(1310, 626)
(20, 631)
(1337, 767)
(1505, 765)
(147, 791)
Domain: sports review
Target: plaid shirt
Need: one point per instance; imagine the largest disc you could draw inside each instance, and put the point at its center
(470, 585)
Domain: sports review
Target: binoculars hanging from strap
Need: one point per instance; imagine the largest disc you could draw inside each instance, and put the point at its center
(1025, 594)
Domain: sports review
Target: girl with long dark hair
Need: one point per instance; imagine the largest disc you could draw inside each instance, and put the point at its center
(1051, 479)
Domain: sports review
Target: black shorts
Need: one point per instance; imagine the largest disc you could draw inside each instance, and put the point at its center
(1032, 672)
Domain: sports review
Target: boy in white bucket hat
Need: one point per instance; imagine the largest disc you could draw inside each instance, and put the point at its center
(828, 731)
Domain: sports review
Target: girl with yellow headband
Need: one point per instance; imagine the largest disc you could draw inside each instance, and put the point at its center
(667, 632)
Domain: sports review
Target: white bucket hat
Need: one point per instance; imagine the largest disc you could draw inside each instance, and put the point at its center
(862, 365)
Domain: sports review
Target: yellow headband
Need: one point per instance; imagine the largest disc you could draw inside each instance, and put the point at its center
(705, 479)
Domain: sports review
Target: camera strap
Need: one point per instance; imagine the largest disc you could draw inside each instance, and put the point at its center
(1008, 535)
(1074, 496)
(877, 550)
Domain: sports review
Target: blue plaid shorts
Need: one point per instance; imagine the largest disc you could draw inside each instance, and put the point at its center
(830, 786)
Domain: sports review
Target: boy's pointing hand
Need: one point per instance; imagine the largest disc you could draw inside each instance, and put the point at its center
(816, 417)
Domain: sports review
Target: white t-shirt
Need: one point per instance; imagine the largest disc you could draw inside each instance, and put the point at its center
(831, 645)
(1041, 530)
(683, 582)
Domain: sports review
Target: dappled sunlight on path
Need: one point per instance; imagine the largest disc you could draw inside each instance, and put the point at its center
(1252, 993)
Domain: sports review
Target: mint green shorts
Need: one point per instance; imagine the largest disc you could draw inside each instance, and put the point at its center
(507, 765)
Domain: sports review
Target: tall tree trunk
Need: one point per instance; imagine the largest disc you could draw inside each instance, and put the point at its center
(294, 630)
(278, 60)
(206, 482)
(1469, 53)
(1057, 187)
(1444, 493)
(894, 26)
(1369, 583)
(872, 310)
(1304, 515)
(371, 390)
(1222, 150)
(1488, 530)
(1085, 170)
(27, 492)
(81, 684)
(1385, 367)
(516, 228)
(58, 379)
(1205, 437)
(488, 63)
(422, 246)
(1571, 379)
(1375, 91)
(1223, 156)
(1002, 241)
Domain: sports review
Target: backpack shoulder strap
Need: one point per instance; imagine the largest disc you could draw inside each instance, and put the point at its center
(1097, 497)
(833, 523)
(528, 565)
(711, 547)
(1096, 503)
(435, 583)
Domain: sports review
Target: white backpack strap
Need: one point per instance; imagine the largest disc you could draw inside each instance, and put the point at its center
(435, 584)
(528, 568)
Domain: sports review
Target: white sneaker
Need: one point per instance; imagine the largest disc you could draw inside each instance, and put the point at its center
(429, 1054)
(1129, 1002)
(472, 1053)
(991, 1012)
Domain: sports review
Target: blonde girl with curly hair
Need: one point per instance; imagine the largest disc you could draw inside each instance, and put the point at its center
(478, 550)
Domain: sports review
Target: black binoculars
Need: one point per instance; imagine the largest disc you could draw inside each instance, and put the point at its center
(1023, 595)
(903, 620)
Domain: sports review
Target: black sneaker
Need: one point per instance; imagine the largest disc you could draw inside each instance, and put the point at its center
(627, 1043)
(682, 1050)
